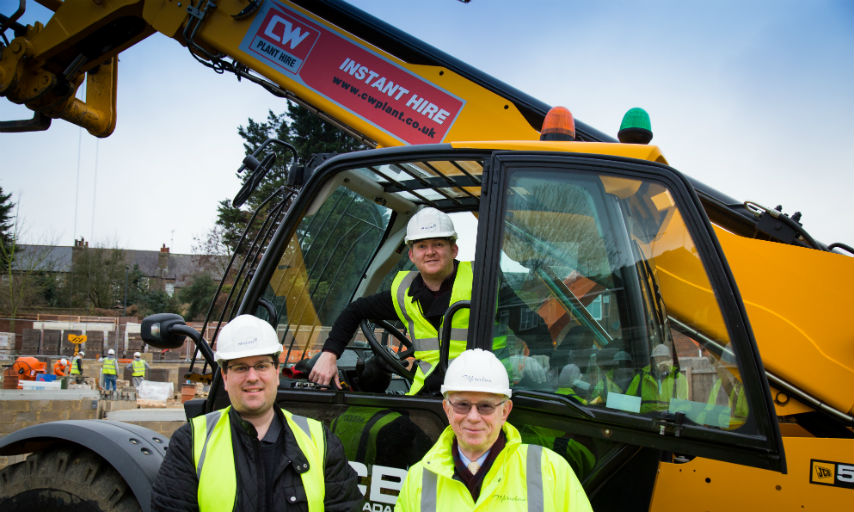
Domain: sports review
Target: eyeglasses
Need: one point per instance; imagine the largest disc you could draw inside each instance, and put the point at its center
(483, 408)
(242, 369)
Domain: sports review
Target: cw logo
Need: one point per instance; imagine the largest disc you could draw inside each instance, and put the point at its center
(291, 35)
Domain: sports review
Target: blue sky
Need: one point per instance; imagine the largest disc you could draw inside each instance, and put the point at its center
(754, 98)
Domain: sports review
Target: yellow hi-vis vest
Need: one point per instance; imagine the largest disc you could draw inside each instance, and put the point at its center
(138, 368)
(425, 337)
(736, 401)
(523, 477)
(656, 393)
(214, 459)
(75, 369)
(358, 429)
(109, 366)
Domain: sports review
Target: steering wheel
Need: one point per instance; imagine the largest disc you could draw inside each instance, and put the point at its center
(393, 359)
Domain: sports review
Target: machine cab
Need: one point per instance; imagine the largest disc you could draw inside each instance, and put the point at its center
(597, 280)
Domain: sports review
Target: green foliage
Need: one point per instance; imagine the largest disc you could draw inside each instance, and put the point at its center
(97, 277)
(157, 301)
(197, 296)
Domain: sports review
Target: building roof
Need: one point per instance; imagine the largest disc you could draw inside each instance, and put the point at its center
(42, 258)
(160, 264)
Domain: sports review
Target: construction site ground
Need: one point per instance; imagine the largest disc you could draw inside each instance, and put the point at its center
(21, 408)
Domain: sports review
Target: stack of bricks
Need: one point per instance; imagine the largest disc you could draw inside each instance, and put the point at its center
(30, 342)
(24, 408)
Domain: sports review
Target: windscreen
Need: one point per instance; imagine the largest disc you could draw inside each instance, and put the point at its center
(604, 300)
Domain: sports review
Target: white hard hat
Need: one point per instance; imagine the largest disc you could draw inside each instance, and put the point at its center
(477, 370)
(429, 223)
(81, 353)
(137, 354)
(64, 361)
(246, 336)
(111, 352)
(660, 350)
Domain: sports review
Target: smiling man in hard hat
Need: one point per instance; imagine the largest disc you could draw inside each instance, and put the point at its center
(479, 461)
(419, 300)
(253, 455)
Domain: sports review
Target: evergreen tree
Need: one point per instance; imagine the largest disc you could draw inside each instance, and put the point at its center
(7, 233)
(298, 126)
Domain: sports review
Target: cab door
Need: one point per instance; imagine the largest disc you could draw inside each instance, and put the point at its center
(617, 317)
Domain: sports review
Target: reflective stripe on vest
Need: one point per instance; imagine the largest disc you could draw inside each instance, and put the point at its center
(533, 483)
(109, 366)
(425, 337)
(138, 368)
(213, 456)
(75, 369)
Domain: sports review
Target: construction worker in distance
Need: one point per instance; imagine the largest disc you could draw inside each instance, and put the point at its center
(657, 384)
(109, 368)
(253, 455)
(139, 369)
(60, 368)
(419, 300)
(77, 367)
(479, 462)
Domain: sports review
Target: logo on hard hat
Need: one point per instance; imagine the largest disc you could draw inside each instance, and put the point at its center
(431, 226)
(475, 379)
(250, 341)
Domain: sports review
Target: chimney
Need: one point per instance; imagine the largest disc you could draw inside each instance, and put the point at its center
(164, 249)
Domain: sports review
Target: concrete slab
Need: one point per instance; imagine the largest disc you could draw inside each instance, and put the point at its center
(138, 415)
(49, 394)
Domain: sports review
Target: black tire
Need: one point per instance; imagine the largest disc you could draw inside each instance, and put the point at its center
(70, 479)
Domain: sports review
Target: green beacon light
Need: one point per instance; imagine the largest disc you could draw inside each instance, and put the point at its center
(635, 128)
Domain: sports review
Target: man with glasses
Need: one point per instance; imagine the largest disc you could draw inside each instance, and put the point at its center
(253, 455)
(479, 461)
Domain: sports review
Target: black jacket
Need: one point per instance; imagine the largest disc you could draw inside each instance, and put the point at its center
(176, 486)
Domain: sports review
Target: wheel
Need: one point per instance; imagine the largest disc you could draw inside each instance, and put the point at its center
(65, 478)
(393, 359)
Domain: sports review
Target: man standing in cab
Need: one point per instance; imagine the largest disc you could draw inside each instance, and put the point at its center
(253, 455)
(479, 462)
(418, 299)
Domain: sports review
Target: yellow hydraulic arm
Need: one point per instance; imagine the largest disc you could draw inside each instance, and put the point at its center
(382, 98)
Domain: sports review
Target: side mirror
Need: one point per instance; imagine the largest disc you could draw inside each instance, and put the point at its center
(168, 330)
(159, 330)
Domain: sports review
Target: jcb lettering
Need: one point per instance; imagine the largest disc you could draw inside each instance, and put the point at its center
(385, 484)
(291, 35)
(837, 474)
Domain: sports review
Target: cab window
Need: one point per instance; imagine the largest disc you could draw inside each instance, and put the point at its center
(604, 300)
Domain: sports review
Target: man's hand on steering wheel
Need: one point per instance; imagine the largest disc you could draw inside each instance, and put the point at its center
(396, 361)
